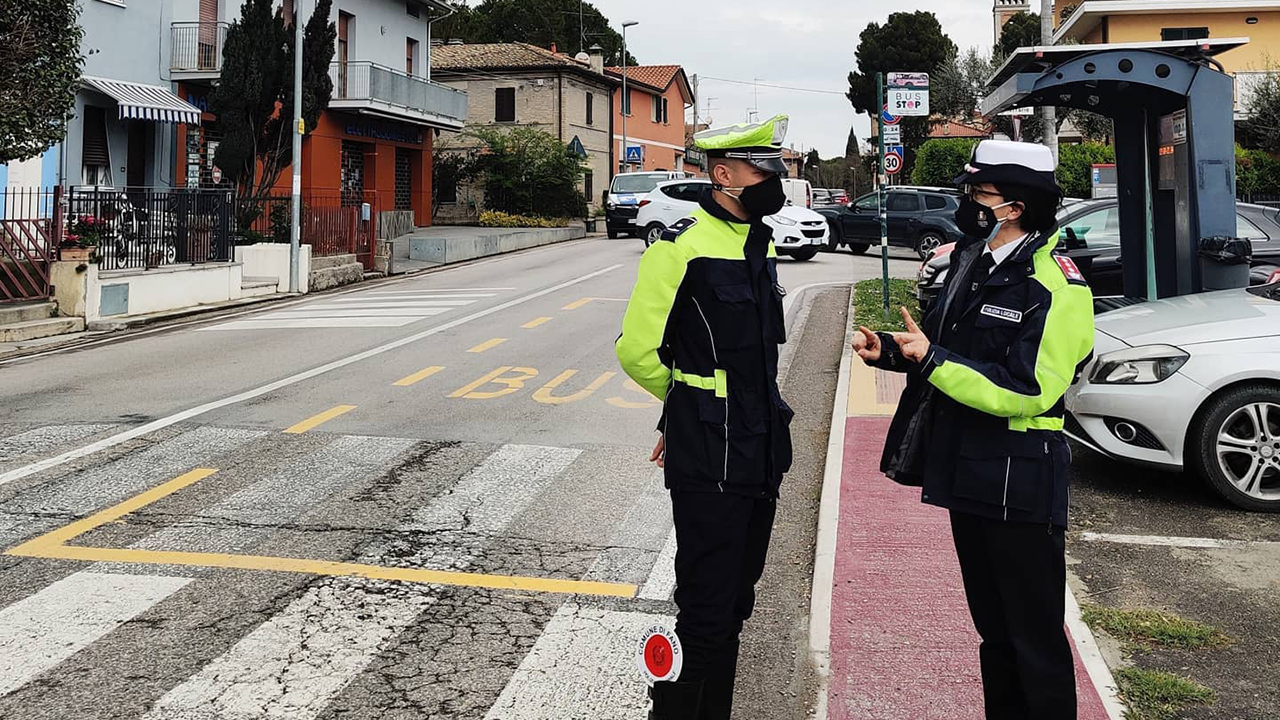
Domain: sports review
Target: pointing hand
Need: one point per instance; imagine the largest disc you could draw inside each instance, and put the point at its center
(913, 343)
(867, 345)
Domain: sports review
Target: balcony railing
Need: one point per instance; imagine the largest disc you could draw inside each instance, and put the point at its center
(197, 47)
(368, 85)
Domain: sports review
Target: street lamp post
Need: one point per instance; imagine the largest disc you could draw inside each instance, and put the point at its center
(295, 204)
(626, 99)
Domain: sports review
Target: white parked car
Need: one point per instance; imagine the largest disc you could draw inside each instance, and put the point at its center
(797, 231)
(1192, 383)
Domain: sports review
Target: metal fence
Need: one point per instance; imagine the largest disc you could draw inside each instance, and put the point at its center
(197, 46)
(152, 227)
(333, 223)
(30, 227)
(1268, 199)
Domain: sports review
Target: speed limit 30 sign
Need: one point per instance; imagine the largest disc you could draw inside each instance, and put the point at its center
(892, 161)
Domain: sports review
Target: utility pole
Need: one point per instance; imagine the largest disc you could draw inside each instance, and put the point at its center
(881, 179)
(626, 99)
(295, 209)
(1050, 112)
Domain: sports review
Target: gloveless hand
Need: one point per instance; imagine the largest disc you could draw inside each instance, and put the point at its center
(867, 345)
(913, 343)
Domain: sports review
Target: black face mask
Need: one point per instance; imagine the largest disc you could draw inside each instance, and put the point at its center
(977, 220)
(764, 198)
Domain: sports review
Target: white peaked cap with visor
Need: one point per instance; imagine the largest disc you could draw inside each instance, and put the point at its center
(1004, 162)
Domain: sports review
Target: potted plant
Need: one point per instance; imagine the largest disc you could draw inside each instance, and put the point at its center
(590, 221)
(83, 236)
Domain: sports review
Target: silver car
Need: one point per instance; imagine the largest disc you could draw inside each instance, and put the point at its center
(1190, 383)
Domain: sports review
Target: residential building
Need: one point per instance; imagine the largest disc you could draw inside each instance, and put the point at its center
(373, 143)
(794, 160)
(522, 85)
(1005, 9)
(1122, 21)
(977, 129)
(142, 115)
(654, 109)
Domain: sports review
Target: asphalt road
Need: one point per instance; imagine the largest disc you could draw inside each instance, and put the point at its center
(425, 497)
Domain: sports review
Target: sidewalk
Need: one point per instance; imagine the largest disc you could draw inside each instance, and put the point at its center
(902, 643)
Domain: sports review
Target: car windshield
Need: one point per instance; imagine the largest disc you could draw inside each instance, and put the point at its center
(636, 183)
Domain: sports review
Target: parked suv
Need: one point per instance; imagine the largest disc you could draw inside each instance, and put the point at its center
(623, 199)
(919, 218)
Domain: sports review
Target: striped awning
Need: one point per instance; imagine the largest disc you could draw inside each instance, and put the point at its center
(145, 102)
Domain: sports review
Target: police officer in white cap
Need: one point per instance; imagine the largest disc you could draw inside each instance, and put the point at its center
(979, 426)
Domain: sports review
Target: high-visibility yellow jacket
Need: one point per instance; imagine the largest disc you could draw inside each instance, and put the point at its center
(701, 333)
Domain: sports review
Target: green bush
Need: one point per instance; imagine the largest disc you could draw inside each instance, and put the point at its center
(940, 160)
(1257, 173)
(529, 172)
(498, 219)
(1075, 167)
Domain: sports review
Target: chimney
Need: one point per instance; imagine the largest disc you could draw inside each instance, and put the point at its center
(456, 41)
(553, 49)
(596, 58)
(437, 42)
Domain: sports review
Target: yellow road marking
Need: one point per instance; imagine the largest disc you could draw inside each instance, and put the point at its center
(53, 545)
(543, 394)
(512, 383)
(331, 568)
(67, 533)
(535, 323)
(487, 344)
(621, 402)
(320, 419)
(422, 374)
(583, 301)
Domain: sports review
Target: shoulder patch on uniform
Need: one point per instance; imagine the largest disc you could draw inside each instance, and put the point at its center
(673, 232)
(1070, 270)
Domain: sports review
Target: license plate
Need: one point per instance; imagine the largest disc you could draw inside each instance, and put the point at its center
(626, 201)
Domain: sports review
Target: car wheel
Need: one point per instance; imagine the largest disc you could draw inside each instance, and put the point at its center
(613, 234)
(859, 248)
(805, 254)
(653, 233)
(1234, 445)
(835, 238)
(928, 242)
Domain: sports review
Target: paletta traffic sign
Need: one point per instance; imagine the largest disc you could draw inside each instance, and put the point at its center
(658, 654)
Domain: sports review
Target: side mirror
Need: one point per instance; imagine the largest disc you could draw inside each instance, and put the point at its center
(1073, 241)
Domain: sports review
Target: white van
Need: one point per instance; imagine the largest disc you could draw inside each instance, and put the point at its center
(799, 192)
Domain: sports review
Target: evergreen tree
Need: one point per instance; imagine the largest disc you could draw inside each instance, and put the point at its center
(537, 22)
(40, 62)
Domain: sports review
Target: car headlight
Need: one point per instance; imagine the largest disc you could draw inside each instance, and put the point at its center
(1138, 366)
(611, 205)
(783, 220)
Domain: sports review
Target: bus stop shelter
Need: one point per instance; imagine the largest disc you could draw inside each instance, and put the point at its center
(1172, 106)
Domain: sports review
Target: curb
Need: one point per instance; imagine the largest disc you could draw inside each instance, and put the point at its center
(1099, 672)
(824, 559)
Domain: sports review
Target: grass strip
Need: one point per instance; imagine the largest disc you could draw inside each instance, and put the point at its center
(1154, 695)
(1152, 627)
(868, 304)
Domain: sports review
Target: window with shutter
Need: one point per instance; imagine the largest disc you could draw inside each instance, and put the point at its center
(656, 105)
(590, 108)
(95, 155)
(504, 105)
(664, 111)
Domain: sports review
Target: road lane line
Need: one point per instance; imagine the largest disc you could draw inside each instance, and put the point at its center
(536, 322)
(422, 374)
(662, 580)
(312, 322)
(487, 344)
(317, 420)
(382, 304)
(43, 630)
(295, 662)
(577, 303)
(71, 531)
(435, 290)
(1172, 541)
(582, 666)
(117, 439)
(446, 299)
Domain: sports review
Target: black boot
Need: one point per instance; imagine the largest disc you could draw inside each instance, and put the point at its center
(675, 700)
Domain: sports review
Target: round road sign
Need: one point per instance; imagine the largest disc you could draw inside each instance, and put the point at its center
(659, 655)
(892, 163)
(888, 119)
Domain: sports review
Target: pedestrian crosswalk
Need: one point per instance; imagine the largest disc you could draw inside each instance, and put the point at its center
(318, 650)
(365, 309)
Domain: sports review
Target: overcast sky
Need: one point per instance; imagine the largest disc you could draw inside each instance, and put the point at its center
(796, 43)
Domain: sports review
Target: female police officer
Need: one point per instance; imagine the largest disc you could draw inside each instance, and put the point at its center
(980, 423)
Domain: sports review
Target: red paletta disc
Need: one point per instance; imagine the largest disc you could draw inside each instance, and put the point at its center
(658, 655)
